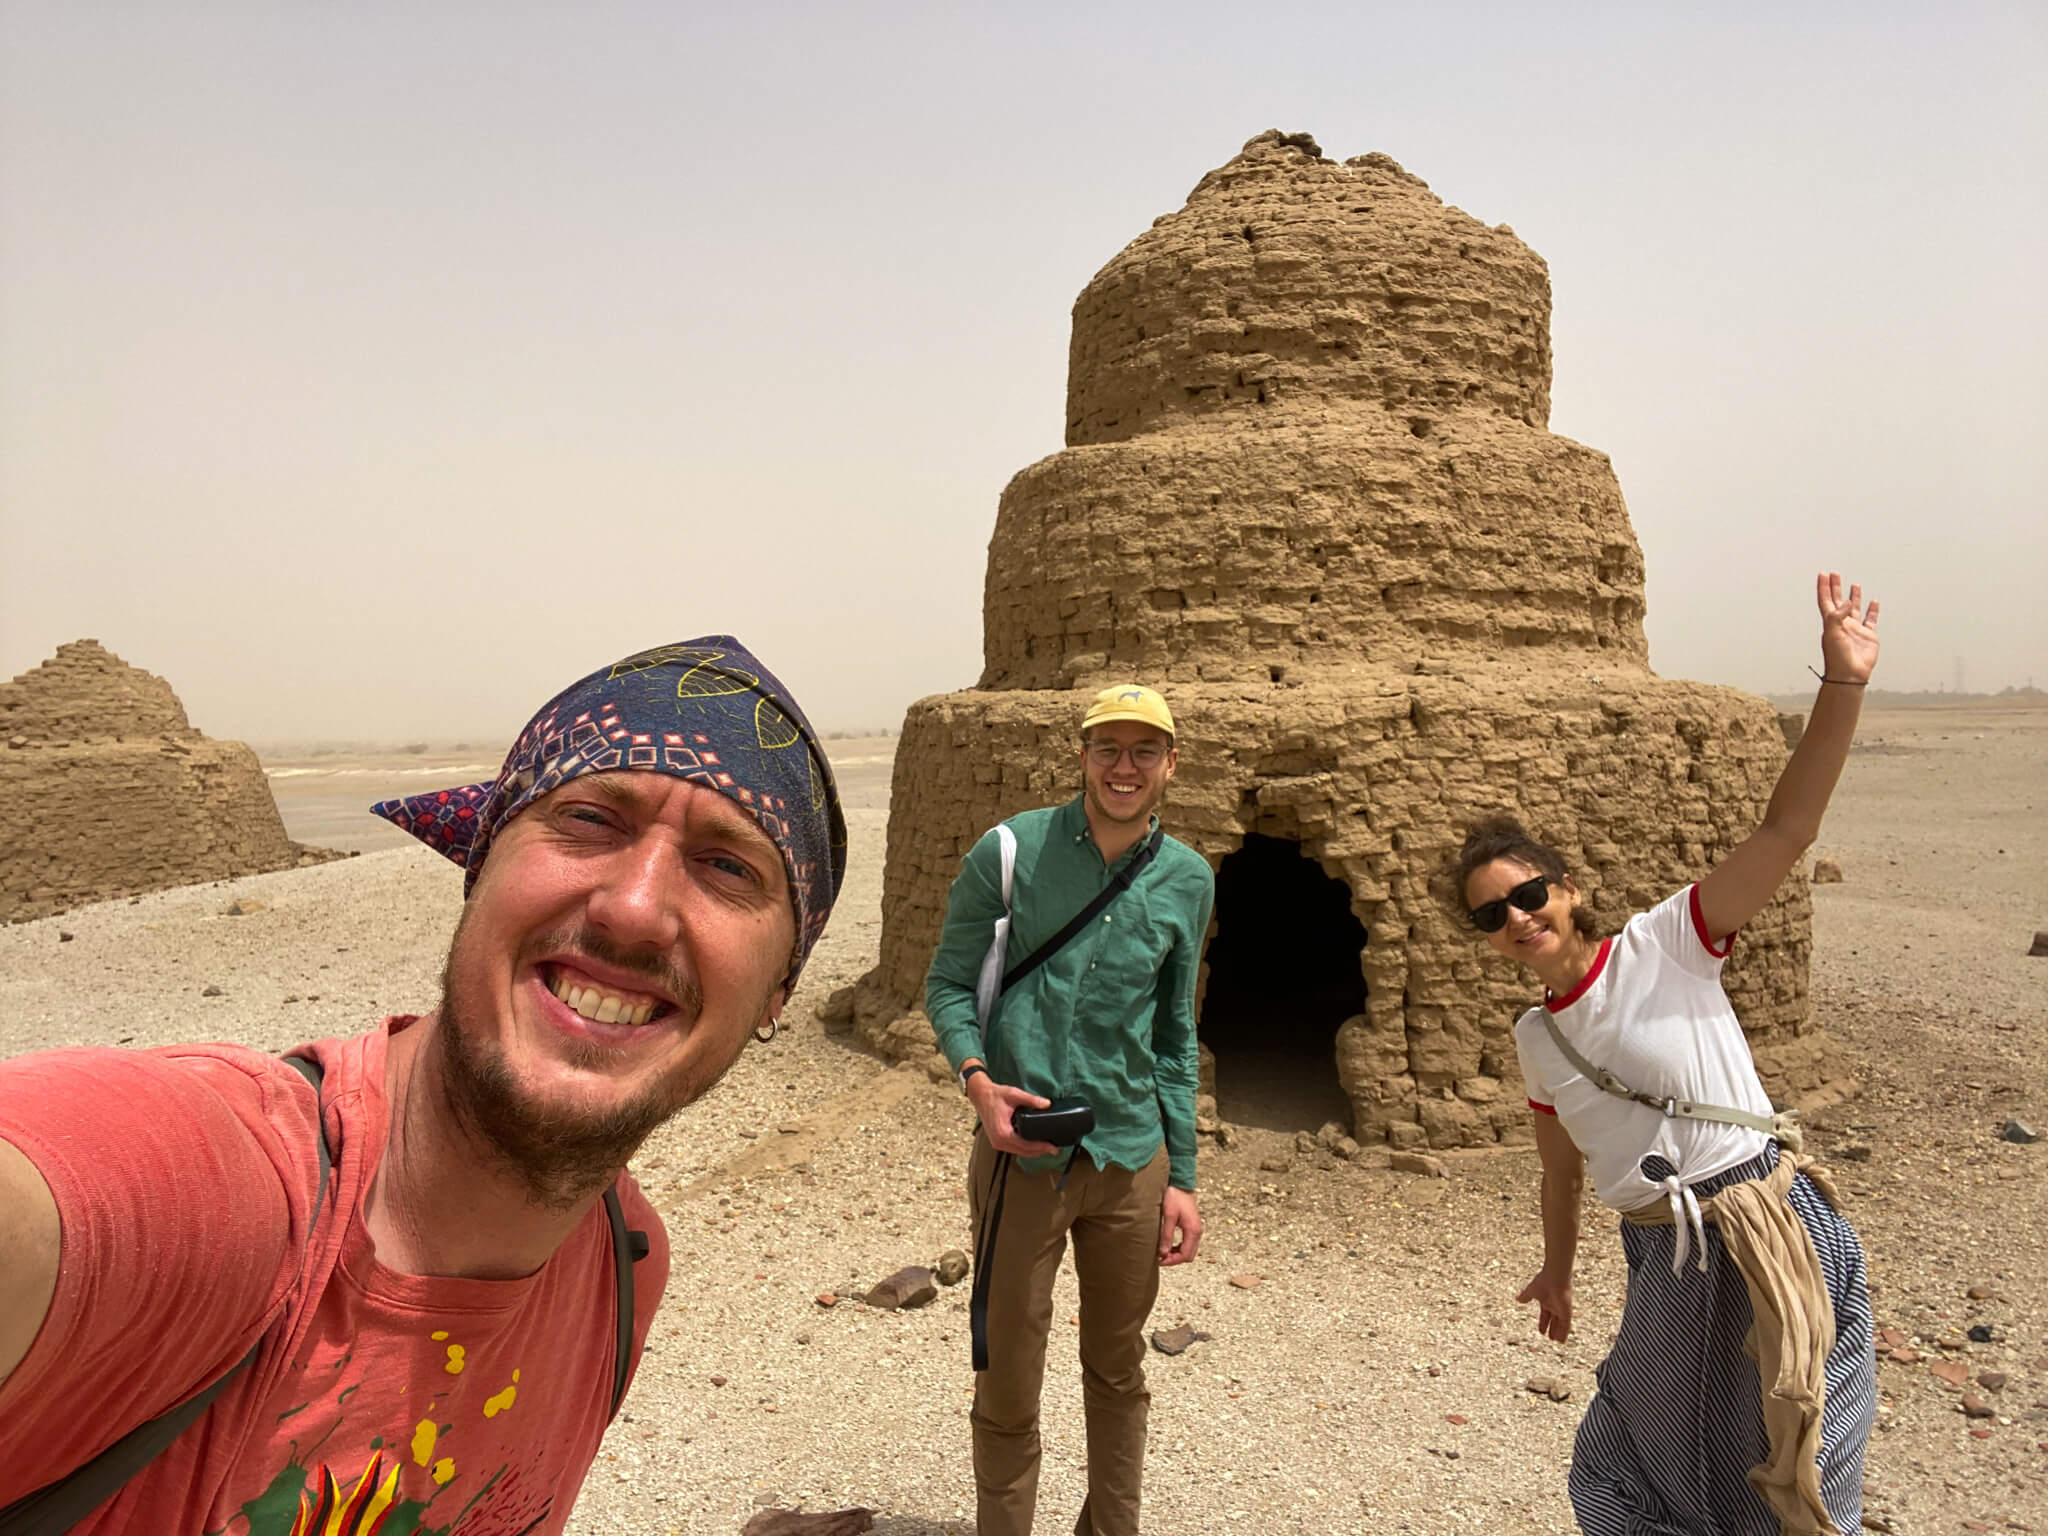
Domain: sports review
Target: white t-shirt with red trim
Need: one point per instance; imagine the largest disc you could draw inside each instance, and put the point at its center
(1652, 1012)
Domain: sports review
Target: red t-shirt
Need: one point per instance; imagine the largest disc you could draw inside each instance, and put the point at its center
(184, 1181)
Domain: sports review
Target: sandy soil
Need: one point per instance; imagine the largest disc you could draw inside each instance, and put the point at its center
(1373, 1379)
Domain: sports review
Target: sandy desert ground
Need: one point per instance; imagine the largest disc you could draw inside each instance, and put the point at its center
(1373, 1380)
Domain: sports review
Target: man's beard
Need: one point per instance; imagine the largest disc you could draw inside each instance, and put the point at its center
(563, 1155)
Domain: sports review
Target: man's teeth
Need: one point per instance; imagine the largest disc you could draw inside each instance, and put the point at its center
(598, 1005)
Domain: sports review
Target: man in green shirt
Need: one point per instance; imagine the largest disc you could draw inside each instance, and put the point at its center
(1109, 1018)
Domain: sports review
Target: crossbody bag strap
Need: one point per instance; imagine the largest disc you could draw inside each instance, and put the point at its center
(56, 1507)
(1671, 1108)
(1087, 914)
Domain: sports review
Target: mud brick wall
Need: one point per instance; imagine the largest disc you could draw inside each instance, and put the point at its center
(1309, 493)
(107, 791)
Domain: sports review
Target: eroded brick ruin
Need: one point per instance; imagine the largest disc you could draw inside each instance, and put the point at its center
(106, 790)
(1308, 491)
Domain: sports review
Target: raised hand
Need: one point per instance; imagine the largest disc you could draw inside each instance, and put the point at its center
(1848, 630)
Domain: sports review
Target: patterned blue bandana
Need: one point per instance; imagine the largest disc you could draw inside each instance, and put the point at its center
(705, 711)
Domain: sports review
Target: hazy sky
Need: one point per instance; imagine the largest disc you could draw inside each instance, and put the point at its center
(374, 370)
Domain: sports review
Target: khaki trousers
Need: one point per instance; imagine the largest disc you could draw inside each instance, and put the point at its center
(1113, 1216)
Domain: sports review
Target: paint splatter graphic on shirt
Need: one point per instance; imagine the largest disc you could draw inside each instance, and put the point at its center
(325, 1511)
(318, 1500)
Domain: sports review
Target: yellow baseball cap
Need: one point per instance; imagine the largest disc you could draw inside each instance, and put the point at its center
(1128, 701)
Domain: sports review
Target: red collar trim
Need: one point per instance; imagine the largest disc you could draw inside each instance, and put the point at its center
(1559, 1004)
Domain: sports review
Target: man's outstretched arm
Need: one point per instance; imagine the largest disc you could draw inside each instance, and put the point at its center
(29, 1241)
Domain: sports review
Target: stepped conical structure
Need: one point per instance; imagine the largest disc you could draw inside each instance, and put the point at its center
(1309, 492)
(106, 790)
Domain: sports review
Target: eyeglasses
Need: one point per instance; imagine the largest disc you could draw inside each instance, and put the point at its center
(1145, 756)
(1492, 916)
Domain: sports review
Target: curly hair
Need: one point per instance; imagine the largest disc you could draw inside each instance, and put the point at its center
(1503, 837)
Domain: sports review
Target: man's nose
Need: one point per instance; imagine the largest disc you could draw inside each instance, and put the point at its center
(637, 900)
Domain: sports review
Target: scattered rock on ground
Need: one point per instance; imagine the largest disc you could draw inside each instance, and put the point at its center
(2018, 1132)
(1550, 1387)
(1826, 872)
(1418, 1162)
(835, 1014)
(793, 1522)
(910, 1286)
(1173, 1341)
(2040, 943)
(952, 1267)
(1246, 1282)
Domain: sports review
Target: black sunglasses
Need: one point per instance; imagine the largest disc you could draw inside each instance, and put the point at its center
(1492, 916)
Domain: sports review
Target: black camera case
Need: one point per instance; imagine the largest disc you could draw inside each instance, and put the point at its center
(1063, 1122)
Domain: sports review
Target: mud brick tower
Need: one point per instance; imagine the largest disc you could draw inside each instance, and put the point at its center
(1309, 492)
(106, 790)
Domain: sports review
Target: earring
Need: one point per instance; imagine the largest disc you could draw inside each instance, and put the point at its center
(774, 1027)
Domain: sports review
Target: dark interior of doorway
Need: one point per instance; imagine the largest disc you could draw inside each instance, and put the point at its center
(1283, 974)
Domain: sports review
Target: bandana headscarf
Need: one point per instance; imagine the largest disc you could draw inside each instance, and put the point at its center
(705, 711)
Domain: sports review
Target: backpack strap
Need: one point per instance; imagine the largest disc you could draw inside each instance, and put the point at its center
(1671, 1108)
(988, 986)
(629, 1247)
(56, 1507)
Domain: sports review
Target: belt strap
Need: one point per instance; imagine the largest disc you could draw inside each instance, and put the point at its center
(1671, 1107)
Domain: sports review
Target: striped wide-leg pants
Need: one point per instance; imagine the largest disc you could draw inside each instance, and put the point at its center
(1668, 1440)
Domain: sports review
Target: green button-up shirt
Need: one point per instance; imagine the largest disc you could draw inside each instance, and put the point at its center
(1111, 1017)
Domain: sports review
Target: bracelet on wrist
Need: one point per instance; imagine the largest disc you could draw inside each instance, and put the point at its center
(1844, 682)
(972, 1069)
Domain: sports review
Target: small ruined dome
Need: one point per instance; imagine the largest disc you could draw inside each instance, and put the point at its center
(86, 693)
(107, 791)
(1292, 282)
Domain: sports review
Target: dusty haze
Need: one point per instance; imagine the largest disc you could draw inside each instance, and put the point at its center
(370, 375)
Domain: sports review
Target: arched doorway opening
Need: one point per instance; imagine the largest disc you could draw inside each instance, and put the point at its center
(1283, 975)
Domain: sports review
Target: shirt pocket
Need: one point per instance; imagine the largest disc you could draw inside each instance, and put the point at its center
(1126, 952)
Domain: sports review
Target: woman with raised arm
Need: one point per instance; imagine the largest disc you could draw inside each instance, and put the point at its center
(1741, 1387)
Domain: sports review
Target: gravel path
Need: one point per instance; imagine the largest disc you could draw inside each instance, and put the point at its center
(1373, 1379)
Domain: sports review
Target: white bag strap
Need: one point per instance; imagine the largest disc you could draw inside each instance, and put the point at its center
(1671, 1108)
(989, 985)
